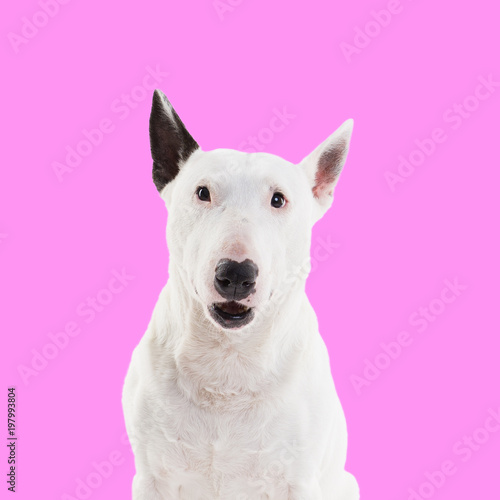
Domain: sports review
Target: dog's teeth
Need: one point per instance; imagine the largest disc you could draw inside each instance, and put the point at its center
(233, 308)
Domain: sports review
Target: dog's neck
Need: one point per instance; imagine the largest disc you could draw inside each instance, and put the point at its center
(219, 367)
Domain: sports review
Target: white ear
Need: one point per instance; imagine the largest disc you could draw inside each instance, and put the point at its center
(324, 164)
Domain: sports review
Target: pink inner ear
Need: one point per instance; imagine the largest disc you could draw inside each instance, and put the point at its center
(321, 188)
(329, 168)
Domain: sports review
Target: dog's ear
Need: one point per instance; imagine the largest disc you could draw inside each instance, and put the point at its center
(171, 143)
(324, 164)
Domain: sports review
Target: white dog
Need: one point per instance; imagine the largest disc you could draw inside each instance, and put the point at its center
(229, 394)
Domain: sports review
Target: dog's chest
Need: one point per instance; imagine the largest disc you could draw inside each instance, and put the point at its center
(223, 450)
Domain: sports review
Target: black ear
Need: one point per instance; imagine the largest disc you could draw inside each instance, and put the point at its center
(171, 143)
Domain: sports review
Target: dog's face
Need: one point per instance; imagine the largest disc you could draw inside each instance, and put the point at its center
(239, 223)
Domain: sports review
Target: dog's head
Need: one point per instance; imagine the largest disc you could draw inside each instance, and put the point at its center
(239, 224)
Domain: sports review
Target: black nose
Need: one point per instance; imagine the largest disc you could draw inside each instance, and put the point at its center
(235, 280)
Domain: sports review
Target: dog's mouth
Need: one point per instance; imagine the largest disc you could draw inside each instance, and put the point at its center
(231, 314)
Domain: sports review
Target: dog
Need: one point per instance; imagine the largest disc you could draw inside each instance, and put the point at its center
(229, 393)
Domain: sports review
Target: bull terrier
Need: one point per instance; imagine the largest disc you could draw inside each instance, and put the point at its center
(229, 394)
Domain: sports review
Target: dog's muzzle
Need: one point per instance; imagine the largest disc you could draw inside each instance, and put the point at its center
(234, 281)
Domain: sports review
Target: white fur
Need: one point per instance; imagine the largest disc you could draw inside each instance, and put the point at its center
(248, 413)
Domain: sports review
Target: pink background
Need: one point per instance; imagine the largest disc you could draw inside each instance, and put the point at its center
(227, 72)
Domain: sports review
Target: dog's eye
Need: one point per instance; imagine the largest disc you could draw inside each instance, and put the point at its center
(278, 200)
(203, 193)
